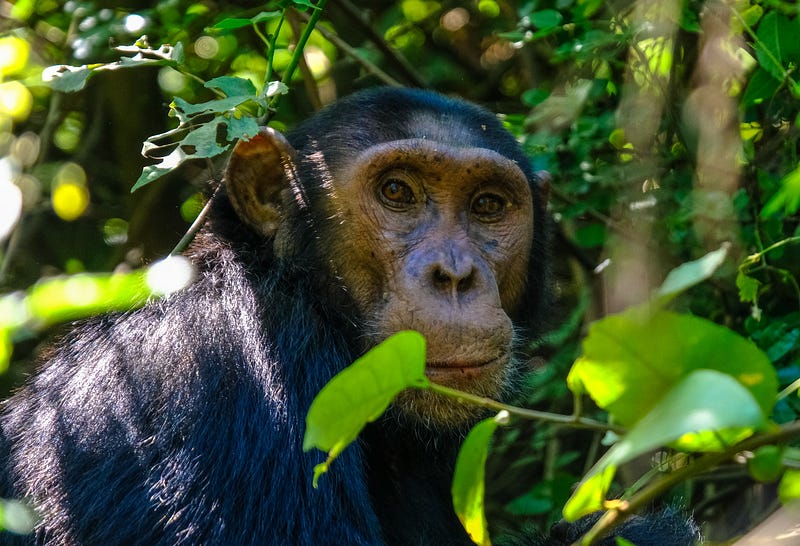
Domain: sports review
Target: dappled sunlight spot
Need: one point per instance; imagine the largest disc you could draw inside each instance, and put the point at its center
(750, 379)
(419, 10)
(455, 19)
(80, 289)
(170, 275)
(13, 55)
(15, 100)
(10, 207)
(171, 81)
(115, 232)
(17, 517)
(70, 196)
(317, 61)
(134, 23)
(206, 47)
(489, 8)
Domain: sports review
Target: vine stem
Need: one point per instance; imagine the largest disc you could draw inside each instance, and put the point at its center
(547, 417)
(301, 44)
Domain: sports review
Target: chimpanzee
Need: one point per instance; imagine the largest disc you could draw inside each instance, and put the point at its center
(182, 422)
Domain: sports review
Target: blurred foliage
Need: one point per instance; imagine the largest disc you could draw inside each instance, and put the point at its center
(669, 128)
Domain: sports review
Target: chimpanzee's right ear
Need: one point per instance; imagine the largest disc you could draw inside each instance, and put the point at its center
(258, 171)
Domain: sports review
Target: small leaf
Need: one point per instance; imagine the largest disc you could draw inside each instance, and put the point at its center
(232, 86)
(787, 198)
(761, 87)
(243, 128)
(752, 14)
(691, 273)
(468, 481)
(590, 495)
(150, 173)
(545, 19)
(233, 22)
(766, 465)
(204, 140)
(165, 165)
(218, 106)
(748, 287)
(361, 392)
(66, 79)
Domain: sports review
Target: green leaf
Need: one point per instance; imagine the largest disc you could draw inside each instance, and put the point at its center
(244, 127)
(761, 88)
(787, 198)
(66, 79)
(691, 273)
(705, 411)
(204, 140)
(233, 23)
(748, 287)
(766, 464)
(218, 106)
(771, 42)
(752, 14)
(630, 360)
(590, 496)
(232, 86)
(361, 393)
(165, 165)
(545, 19)
(789, 488)
(468, 481)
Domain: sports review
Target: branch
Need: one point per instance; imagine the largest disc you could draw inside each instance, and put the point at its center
(626, 508)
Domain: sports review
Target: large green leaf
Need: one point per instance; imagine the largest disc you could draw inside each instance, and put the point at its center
(707, 410)
(632, 359)
(361, 393)
(468, 480)
(777, 43)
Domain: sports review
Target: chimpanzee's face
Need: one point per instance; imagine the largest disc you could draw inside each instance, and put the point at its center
(435, 238)
(430, 234)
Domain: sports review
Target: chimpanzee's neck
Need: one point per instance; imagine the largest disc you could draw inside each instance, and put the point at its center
(409, 473)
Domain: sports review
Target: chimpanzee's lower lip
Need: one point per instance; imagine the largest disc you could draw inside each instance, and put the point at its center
(455, 365)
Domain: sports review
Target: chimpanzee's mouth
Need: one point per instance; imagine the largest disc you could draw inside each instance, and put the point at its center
(465, 367)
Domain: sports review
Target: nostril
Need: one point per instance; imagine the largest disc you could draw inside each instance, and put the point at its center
(440, 277)
(464, 284)
(451, 282)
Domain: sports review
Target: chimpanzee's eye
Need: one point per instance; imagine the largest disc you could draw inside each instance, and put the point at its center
(396, 194)
(488, 207)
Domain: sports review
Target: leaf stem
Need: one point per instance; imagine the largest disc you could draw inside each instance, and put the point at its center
(524, 413)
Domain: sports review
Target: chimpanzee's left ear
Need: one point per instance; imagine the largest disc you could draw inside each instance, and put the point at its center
(258, 171)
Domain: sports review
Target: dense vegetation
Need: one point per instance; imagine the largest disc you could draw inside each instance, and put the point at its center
(670, 130)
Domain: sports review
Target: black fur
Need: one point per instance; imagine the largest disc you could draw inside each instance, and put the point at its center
(182, 422)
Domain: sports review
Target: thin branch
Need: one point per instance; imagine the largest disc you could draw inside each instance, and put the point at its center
(544, 416)
(626, 508)
(355, 15)
(349, 50)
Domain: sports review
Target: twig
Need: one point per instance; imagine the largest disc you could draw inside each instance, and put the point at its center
(547, 417)
(393, 57)
(615, 516)
(347, 49)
